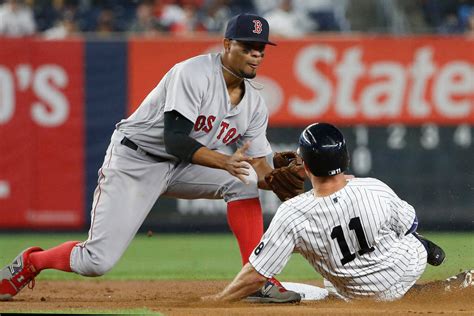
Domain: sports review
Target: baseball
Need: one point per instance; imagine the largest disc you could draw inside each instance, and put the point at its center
(252, 178)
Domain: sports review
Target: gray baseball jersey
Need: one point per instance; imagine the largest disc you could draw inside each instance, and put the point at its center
(197, 90)
(130, 181)
(355, 238)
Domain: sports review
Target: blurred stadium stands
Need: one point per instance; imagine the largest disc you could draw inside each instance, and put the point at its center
(64, 18)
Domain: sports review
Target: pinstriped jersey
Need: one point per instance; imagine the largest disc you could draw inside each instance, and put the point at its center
(355, 238)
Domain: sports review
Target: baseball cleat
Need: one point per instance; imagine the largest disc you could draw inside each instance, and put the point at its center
(17, 275)
(459, 281)
(436, 254)
(273, 292)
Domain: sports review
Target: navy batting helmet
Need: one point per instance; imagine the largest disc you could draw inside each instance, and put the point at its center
(323, 149)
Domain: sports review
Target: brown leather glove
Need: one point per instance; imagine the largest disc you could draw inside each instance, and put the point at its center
(283, 159)
(287, 181)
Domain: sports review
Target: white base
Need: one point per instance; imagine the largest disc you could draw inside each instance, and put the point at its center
(307, 292)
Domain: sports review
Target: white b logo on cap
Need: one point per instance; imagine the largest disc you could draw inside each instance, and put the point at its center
(257, 24)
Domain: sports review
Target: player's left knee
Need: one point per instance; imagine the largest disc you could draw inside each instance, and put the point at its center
(92, 263)
(95, 270)
(236, 188)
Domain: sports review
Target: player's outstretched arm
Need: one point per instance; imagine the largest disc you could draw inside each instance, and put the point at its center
(262, 168)
(179, 144)
(248, 281)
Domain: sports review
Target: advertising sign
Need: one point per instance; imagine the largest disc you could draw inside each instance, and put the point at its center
(41, 134)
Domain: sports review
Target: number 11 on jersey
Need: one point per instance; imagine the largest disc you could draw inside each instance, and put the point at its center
(338, 234)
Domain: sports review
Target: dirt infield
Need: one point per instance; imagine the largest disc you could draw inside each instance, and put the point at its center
(182, 298)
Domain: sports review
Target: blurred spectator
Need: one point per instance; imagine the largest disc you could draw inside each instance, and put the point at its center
(171, 13)
(215, 15)
(45, 14)
(145, 22)
(65, 27)
(190, 23)
(465, 11)
(106, 23)
(393, 16)
(450, 25)
(437, 12)
(264, 6)
(181, 17)
(409, 15)
(379, 16)
(241, 6)
(289, 18)
(470, 24)
(91, 13)
(16, 19)
(328, 14)
(447, 16)
(286, 22)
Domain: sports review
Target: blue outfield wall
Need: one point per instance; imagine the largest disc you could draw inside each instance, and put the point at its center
(106, 103)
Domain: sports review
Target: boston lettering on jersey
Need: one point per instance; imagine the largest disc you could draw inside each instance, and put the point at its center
(225, 133)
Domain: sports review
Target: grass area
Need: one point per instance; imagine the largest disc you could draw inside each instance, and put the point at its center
(214, 256)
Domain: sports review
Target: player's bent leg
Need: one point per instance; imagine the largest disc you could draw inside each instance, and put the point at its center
(436, 254)
(92, 263)
(244, 213)
(129, 185)
(246, 222)
(18, 274)
(332, 291)
(415, 266)
(29, 263)
(58, 258)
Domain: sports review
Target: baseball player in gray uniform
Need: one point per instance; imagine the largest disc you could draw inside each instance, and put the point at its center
(357, 233)
(172, 145)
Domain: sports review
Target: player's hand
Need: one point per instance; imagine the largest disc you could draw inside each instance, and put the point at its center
(236, 165)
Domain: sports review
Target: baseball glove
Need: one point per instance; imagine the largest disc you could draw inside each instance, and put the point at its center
(287, 181)
(284, 158)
